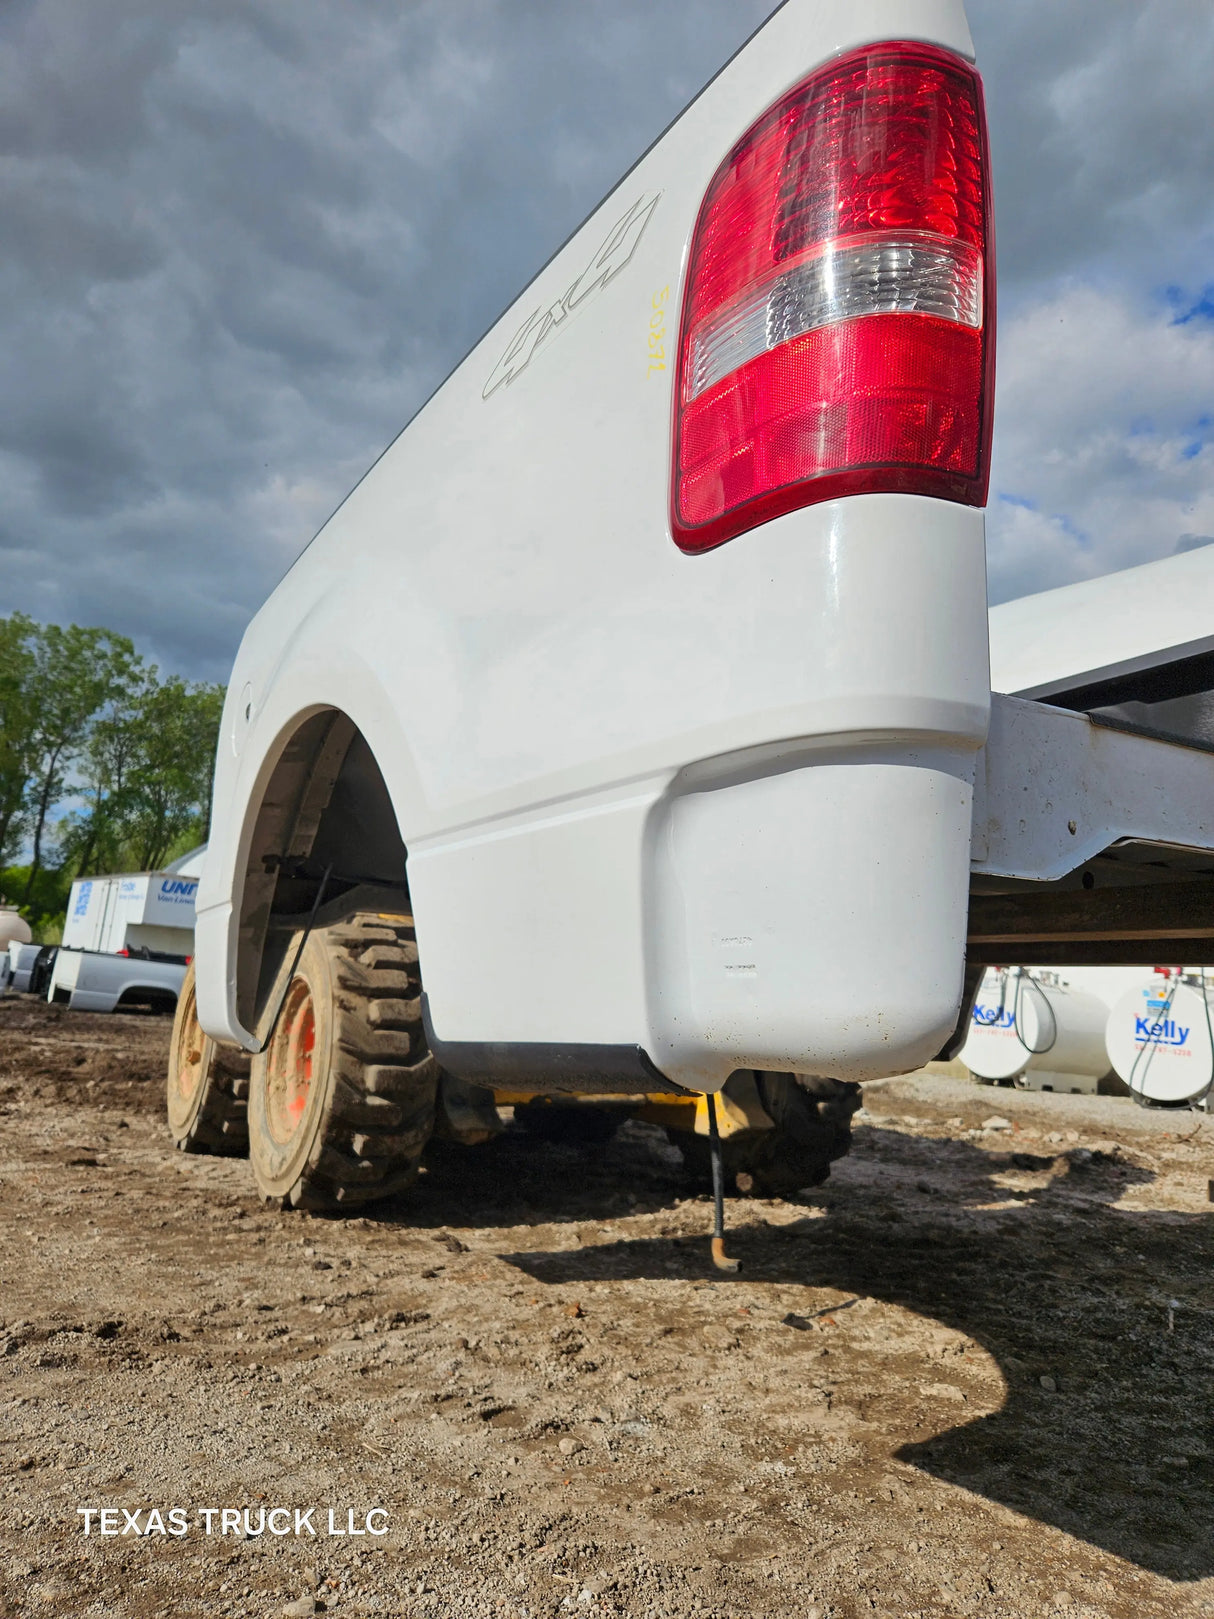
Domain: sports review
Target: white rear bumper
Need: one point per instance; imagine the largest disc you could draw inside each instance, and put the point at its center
(811, 918)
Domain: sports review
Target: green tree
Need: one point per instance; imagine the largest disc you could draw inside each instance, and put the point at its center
(167, 792)
(76, 673)
(82, 716)
(47, 905)
(18, 638)
(92, 839)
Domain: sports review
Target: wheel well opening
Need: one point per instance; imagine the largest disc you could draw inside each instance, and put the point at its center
(142, 998)
(326, 808)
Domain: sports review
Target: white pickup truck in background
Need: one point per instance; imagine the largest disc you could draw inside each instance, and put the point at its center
(629, 730)
(90, 981)
(127, 939)
(19, 965)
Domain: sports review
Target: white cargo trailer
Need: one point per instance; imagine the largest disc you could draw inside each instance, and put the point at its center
(127, 938)
(146, 910)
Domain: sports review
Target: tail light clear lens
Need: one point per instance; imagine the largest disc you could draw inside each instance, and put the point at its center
(838, 320)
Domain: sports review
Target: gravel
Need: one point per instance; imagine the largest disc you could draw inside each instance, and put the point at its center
(530, 1369)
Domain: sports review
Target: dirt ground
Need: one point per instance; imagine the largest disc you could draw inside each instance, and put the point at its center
(970, 1375)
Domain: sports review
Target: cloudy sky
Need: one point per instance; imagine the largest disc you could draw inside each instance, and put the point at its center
(245, 239)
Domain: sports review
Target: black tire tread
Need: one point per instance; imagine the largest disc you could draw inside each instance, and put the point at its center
(380, 1106)
(221, 1125)
(218, 1123)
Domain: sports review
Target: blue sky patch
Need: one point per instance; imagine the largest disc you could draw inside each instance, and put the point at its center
(1201, 309)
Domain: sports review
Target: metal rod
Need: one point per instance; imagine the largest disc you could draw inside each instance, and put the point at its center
(719, 1257)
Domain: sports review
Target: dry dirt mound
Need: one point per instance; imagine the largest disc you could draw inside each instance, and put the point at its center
(115, 1060)
(973, 1374)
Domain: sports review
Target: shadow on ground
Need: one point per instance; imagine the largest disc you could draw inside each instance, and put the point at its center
(1056, 1282)
(519, 1179)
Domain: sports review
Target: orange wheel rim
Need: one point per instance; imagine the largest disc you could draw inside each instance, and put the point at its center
(191, 1043)
(289, 1078)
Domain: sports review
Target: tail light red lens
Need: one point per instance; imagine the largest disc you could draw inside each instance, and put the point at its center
(838, 321)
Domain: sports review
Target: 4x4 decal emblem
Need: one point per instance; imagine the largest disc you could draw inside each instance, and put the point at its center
(616, 251)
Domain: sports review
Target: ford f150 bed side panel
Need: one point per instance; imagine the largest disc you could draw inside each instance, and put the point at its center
(698, 790)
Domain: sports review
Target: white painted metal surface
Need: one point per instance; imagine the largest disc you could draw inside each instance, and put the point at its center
(719, 807)
(847, 865)
(687, 789)
(1054, 789)
(21, 959)
(1159, 1039)
(1117, 624)
(97, 981)
(189, 865)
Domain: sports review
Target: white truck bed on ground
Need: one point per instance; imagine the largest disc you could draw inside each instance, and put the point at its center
(92, 981)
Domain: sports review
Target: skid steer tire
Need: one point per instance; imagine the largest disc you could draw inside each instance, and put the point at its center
(574, 1125)
(812, 1119)
(341, 1102)
(208, 1085)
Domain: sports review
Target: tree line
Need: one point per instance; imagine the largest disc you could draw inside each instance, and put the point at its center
(105, 764)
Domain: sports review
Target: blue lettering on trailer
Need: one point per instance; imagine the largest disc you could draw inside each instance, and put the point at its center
(994, 1017)
(83, 894)
(177, 888)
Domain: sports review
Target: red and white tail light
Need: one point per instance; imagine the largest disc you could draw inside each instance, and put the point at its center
(838, 320)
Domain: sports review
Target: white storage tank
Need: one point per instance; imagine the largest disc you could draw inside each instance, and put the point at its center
(14, 929)
(1159, 1039)
(1107, 984)
(1032, 1028)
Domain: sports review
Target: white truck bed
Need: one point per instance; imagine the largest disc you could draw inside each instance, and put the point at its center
(21, 960)
(667, 801)
(95, 981)
(1135, 622)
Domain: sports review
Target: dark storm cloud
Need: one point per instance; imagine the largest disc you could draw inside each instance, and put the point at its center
(1102, 140)
(245, 240)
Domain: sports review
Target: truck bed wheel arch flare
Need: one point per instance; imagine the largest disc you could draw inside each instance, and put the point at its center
(837, 333)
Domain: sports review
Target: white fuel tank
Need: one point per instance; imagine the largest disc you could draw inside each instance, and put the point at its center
(14, 929)
(1159, 1039)
(1030, 1025)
